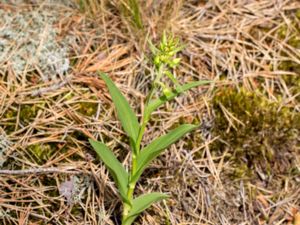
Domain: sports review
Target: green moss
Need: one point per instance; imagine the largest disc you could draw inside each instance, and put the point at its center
(289, 66)
(297, 14)
(293, 81)
(290, 35)
(25, 113)
(295, 171)
(88, 108)
(260, 133)
(42, 152)
(10, 117)
(28, 112)
(10, 114)
(77, 135)
(291, 32)
(295, 40)
(77, 210)
(282, 31)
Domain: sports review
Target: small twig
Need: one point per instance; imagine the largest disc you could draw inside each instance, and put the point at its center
(68, 170)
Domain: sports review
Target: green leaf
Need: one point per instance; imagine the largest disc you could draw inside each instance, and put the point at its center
(151, 151)
(154, 104)
(115, 168)
(129, 220)
(141, 203)
(152, 47)
(125, 113)
(172, 78)
(136, 13)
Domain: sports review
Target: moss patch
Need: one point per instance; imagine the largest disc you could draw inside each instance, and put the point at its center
(88, 108)
(42, 152)
(28, 112)
(256, 133)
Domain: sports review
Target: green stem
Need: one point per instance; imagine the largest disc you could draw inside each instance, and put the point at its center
(126, 209)
(145, 119)
(137, 148)
(140, 136)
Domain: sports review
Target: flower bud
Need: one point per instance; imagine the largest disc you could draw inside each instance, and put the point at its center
(167, 91)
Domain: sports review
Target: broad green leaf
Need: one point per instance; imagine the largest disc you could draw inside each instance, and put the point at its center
(115, 168)
(144, 201)
(141, 203)
(154, 104)
(151, 151)
(125, 113)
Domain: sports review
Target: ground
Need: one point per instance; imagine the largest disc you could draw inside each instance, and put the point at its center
(241, 166)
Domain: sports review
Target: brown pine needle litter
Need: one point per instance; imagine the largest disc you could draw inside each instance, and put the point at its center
(52, 100)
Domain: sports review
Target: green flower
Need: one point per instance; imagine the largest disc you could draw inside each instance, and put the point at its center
(165, 60)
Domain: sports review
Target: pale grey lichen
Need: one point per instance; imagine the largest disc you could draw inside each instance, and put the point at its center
(5, 144)
(74, 189)
(28, 42)
(70, 3)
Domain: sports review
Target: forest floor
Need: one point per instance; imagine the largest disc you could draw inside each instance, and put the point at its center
(241, 166)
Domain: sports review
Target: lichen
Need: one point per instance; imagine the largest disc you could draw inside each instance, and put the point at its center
(5, 143)
(28, 40)
(256, 133)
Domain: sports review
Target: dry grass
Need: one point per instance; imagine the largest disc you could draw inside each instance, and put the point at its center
(45, 124)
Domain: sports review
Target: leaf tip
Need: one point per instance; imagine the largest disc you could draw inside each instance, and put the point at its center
(102, 75)
(91, 140)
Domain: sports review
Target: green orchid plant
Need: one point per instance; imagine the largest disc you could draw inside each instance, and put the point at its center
(164, 61)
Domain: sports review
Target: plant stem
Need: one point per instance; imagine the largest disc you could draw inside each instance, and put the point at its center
(140, 136)
(137, 147)
(126, 209)
(130, 192)
(145, 118)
